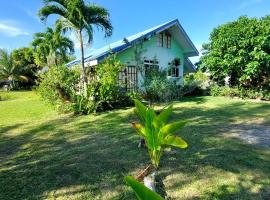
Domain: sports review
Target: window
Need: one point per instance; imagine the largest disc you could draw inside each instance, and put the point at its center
(128, 78)
(173, 68)
(160, 40)
(168, 40)
(150, 66)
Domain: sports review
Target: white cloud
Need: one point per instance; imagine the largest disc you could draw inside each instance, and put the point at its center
(247, 3)
(10, 28)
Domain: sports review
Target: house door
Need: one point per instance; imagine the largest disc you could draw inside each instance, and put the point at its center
(128, 78)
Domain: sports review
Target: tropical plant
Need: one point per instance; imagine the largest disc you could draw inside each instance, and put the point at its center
(141, 191)
(197, 83)
(157, 133)
(58, 87)
(239, 50)
(158, 88)
(24, 58)
(104, 91)
(51, 47)
(9, 71)
(80, 17)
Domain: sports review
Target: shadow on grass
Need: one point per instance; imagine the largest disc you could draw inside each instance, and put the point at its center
(68, 152)
(209, 149)
(89, 156)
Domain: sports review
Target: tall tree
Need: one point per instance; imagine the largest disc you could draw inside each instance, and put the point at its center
(80, 17)
(241, 51)
(51, 46)
(24, 58)
(9, 71)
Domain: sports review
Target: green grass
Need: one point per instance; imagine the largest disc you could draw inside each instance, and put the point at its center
(44, 155)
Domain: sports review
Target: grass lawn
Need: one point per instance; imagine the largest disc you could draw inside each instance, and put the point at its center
(44, 155)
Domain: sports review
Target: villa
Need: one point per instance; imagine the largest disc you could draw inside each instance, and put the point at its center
(164, 47)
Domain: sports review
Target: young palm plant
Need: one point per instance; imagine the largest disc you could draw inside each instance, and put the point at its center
(52, 46)
(157, 132)
(80, 17)
(9, 71)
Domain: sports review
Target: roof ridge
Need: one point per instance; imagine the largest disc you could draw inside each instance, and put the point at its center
(126, 42)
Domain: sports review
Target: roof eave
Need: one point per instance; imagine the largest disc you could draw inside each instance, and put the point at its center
(195, 52)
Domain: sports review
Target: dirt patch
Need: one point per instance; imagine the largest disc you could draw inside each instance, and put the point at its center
(257, 134)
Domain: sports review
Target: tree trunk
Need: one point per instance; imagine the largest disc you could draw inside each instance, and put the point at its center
(84, 79)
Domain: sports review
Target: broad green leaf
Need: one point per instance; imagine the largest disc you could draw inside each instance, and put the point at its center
(175, 141)
(155, 131)
(139, 128)
(141, 191)
(163, 117)
(173, 127)
(151, 135)
(140, 110)
(165, 114)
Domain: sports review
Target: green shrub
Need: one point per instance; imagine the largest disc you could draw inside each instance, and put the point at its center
(248, 94)
(4, 95)
(158, 88)
(224, 91)
(215, 90)
(104, 92)
(238, 92)
(58, 87)
(196, 84)
(266, 95)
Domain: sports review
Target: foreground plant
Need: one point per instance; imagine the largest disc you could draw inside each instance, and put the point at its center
(142, 192)
(157, 133)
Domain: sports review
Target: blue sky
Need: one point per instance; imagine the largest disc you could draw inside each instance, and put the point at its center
(18, 19)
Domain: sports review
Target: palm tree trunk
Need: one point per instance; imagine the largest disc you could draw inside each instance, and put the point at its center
(83, 67)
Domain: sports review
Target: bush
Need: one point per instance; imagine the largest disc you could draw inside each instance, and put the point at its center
(238, 92)
(4, 95)
(196, 84)
(58, 87)
(158, 88)
(104, 92)
(224, 91)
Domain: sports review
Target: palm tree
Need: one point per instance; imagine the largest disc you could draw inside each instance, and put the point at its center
(80, 17)
(52, 46)
(9, 71)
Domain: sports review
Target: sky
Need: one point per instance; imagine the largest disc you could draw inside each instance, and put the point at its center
(19, 21)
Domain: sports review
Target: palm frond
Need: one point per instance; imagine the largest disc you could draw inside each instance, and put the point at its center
(99, 17)
(48, 10)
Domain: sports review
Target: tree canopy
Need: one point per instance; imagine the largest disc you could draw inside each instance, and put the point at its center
(239, 50)
(80, 17)
(51, 47)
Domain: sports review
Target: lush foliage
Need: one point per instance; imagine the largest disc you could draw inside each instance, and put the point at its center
(58, 87)
(157, 133)
(158, 88)
(80, 17)
(241, 51)
(141, 191)
(104, 90)
(51, 47)
(4, 95)
(25, 59)
(15, 68)
(238, 92)
(196, 84)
